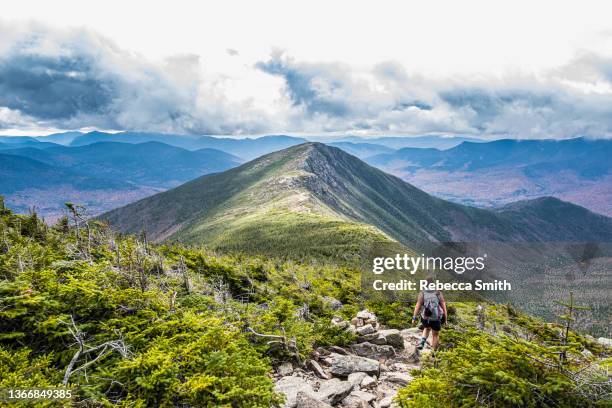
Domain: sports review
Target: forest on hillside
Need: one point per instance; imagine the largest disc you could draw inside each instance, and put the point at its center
(124, 322)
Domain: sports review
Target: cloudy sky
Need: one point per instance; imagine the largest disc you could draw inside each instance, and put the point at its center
(512, 69)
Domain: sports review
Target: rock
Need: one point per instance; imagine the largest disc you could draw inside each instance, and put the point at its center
(402, 367)
(380, 340)
(291, 386)
(372, 337)
(367, 329)
(316, 368)
(411, 331)
(364, 396)
(353, 401)
(345, 365)
(285, 369)
(365, 314)
(385, 402)
(397, 378)
(339, 323)
(372, 350)
(368, 382)
(333, 303)
(604, 341)
(393, 337)
(333, 391)
(304, 400)
(339, 350)
(356, 378)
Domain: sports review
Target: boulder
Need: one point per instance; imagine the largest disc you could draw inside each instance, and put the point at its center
(368, 382)
(380, 340)
(393, 337)
(338, 350)
(364, 396)
(304, 400)
(604, 341)
(285, 369)
(333, 391)
(333, 303)
(353, 401)
(365, 314)
(397, 378)
(385, 402)
(410, 332)
(339, 323)
(316, 368)
(367, 329)
(373, 350)
(291, 386)
(372, 337)
(356, 378)
(345, 365)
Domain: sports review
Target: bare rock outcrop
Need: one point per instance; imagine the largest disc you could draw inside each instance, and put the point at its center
(365, 374)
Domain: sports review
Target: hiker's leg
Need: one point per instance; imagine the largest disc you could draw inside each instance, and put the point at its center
(424, 338)
(425, 334)
(435, 339)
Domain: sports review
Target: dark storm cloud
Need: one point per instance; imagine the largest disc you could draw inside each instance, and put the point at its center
(341, 99)
(487, 105)
(75, 78)
(315, 87)
(56, 87)
(574, 100)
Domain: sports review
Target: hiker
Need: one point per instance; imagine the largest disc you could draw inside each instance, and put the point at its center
(432, 308)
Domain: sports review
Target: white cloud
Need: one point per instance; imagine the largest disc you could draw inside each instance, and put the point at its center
(76, 78)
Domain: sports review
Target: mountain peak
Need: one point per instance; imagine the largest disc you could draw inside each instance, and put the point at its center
(312, 189)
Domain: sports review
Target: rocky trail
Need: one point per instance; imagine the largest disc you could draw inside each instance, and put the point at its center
(366, 374)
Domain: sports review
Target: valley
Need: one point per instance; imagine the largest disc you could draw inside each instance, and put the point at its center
(496, 173)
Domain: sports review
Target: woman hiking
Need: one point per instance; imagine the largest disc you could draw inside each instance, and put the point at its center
(432, 308)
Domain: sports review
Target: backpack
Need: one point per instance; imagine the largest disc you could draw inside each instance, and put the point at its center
(431, 306)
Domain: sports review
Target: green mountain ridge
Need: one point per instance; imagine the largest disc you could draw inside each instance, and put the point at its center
(313, 195)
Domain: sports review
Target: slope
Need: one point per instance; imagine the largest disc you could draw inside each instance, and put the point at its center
(285, 197)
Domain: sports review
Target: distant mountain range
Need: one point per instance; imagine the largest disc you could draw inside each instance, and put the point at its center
(246, 148)
(399, 142)
(100, 175)
(27, 183)
(503, 171)
(361, 150)
(314, 197)
(150, 164)
(460, 169)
